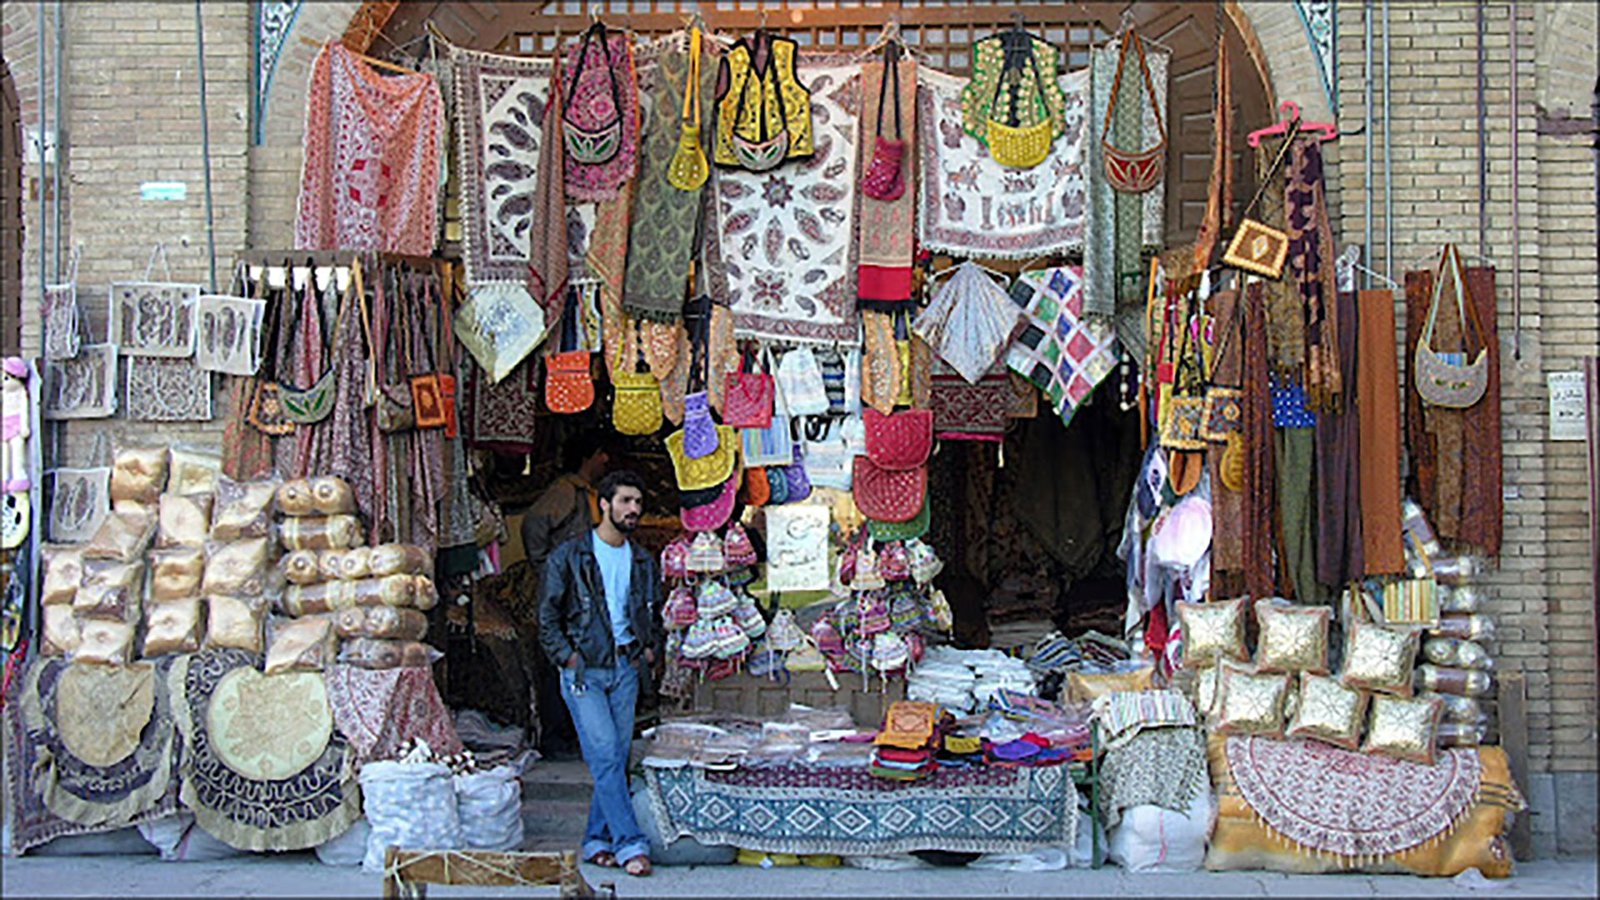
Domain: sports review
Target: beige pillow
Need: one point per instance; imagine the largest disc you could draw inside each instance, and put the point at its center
(1212, 632)
(1292, 638)
(1379, 659)
(1404, 729)
(1249, 703)
(1329, 712)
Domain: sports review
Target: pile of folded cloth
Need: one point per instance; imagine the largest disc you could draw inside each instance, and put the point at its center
(1090, 652)
(904, 749)
(996, 672)
(943, 678)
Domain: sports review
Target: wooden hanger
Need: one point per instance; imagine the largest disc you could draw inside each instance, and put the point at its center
(1322, 131)
(369, 60)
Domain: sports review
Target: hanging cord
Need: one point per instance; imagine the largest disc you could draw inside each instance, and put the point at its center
(205, 141)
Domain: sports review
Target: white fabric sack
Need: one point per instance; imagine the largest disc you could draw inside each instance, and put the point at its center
(349, 848)
(800, 379)
(408, 805)
(1152, 839)
(489, 805)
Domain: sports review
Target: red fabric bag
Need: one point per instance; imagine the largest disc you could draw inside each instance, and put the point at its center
(888, 495)
(901, 440)
(747, 401)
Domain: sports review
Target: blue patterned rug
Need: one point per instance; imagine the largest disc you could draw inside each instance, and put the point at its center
(804, 809)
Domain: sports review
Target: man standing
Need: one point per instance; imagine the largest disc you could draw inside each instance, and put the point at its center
(598, 603)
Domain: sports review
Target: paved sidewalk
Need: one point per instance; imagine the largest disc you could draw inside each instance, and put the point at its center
(300, 875)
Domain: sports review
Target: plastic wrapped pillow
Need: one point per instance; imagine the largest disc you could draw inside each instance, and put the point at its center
(315, 599)
(395, 590)
(235, 622)
(294, 498)
(127, 577)
(183, 520)
(302, 567)
(301, 645)
(139, 474)
(426, 592)
(330, 563)
(123, 537)
(176, 573)
(332, 495)
(373, 653)
(63, 574)
(238, 568)
(172, 627)
(243, 509)
(388, 622)
(193, 472)
(320, 533)
(105, 643)
(355, 563)
(400, 559)
(61, 631)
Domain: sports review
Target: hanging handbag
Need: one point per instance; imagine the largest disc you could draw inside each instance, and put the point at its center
(772, 445)
(797, 481)
(311, 405)
(1441, 382)
(593, 146)
(1256, 246)
(1019, 146)
(264, 411)
(800, 378)
(903, 440)
(757, 489)
(699, 431)
(1133, 171)
(748, 395)
(636, 404)
(883, 179)
(696, 474)
(889, 495)
(1224, 406)
(688, 169)
(427, 393)
(1182, 415)
(568, 385)
(768, 150)
(394, 411)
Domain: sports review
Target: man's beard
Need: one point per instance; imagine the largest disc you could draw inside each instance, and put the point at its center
(626, 524)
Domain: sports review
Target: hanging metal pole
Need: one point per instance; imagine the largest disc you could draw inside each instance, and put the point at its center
(55, 200)
(205, 140)
(1516, 196)
(1366, 127)
(1483, 141)
(1388, 161)
(44, 125)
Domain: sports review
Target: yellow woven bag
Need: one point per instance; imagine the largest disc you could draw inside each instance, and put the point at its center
(707, 471)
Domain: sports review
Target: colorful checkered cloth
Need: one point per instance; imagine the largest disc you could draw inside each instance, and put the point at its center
(1061, 353)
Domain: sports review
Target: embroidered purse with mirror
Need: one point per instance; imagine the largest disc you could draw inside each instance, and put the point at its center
(310, 405)
(1133, 171)
(598, 144)
(264, 411)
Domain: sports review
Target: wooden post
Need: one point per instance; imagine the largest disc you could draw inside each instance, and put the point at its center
(1513, 709)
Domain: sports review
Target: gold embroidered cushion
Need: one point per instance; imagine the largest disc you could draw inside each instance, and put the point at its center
(1328, 711)
(1212, 631)
(1404, 729)
(1379, 659)
(1249, 703)
(1292, 639)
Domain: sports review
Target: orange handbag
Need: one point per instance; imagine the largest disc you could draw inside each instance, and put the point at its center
(568, 383)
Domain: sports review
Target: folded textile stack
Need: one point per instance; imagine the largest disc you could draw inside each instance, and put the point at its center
(1019, 634)
(942, 681)
(910, 736)
(998, 672)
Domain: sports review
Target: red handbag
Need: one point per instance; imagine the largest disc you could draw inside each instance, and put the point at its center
(888, 495)
(901, 440)
(747, 401)
(568, 383)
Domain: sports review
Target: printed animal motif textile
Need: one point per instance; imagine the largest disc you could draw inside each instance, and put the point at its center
(500, 104)
(59, 316)
(228, 334)
(802, 809)
(1065, 355)
(372, 155)
(84, 387)
(29, 754)
(231, 715)
(378, 710)
(79, 503)
(1349, 803)
(784, 259)
(168, 390)
(973, 206)
(153, 318)
(589, 75)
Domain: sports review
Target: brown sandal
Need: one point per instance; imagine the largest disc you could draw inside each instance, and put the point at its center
(639, 866)
(604, 859)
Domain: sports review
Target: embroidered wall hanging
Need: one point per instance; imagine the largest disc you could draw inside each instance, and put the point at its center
(600, 112)
(973, 206)
(228, 334)
(1061, 352)
(84, 387)
(499, 325)
(784, 262)
(168, 390)
(500, 114)
(79, 502)
(372, 143)
(59, 316)
(153, 318)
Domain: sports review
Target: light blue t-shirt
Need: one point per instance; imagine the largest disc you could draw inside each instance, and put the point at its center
(616, 576)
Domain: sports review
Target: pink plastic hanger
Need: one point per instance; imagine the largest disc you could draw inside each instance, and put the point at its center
(1322, 131)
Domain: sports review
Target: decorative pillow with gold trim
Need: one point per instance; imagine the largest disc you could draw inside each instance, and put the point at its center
(1380, 659)
(1329, 712)
(1404, 729)
(1292, 638)
(1249, 703)
(1212, 631)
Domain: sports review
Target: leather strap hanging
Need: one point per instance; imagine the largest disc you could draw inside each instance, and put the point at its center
(1258, 247)
(1133, 171)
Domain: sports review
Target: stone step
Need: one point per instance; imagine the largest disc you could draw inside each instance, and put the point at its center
(563, 819)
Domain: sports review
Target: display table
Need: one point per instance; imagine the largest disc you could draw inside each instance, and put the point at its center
(842, 809)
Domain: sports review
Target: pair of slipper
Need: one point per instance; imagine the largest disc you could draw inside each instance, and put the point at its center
(638, 867)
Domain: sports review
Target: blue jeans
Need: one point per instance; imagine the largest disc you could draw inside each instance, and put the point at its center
(602, 713)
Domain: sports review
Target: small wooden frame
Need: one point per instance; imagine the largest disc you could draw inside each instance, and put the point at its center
(407, 873)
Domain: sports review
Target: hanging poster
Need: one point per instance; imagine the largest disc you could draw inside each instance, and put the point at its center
(80, 500)
(154, 318)
(797, 548)
(59, 315)
(228, 336)
(168, 390)
(84, 387)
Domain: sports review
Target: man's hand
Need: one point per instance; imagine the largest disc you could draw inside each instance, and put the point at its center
(572, 661)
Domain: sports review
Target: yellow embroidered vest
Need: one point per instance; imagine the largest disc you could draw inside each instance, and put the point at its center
(750, 95)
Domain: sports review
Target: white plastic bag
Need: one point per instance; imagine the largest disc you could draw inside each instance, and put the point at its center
(1152, 839)
(489, 805)
(408, 805)
(348, 849)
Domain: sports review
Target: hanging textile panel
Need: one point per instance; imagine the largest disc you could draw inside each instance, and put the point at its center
(1062, 353)
(80, 501)
(58, 313)
(84, 387)
(784, 257)
(973, 206)
(153, 318)
(500, 120)
(372, 155)
(228, 337)
(972, 412)
(168, 390)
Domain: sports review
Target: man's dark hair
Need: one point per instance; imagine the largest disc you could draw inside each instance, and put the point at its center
(619, 479)
(580, 447)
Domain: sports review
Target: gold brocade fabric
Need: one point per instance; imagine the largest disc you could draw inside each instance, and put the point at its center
(1212, 631)
(1292, 639)
(269, 727)
(1328, 712)
(102, 710)
(880, 365)
(1251, 704)
(988, 67)
(1403, 729)
(761, 97)
(908, 724)
(1379, 659)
